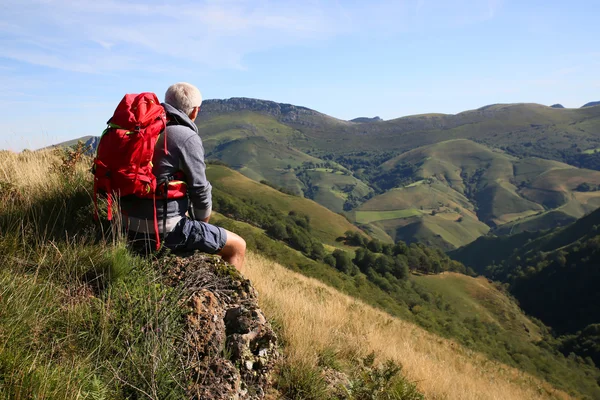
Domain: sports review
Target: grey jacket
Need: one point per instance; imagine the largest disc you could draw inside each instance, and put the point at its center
(184, 153)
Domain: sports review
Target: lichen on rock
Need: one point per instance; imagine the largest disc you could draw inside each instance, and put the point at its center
(229, 348)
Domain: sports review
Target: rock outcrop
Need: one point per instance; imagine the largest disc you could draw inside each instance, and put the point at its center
(229, 348)
(283, 112)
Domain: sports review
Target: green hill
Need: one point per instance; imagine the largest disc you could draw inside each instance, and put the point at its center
(486, 251)
(477, 297)
(328, 226)
(505, 167)
(461, 189)
(508, 168)
(553, 274)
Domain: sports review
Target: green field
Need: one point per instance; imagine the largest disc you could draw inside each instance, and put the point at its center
(365, 217)
(591, 151)
(331, 187)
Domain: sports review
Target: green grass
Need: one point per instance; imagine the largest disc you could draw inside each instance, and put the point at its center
(365, 217)
(477, 297)
(426, 196)
(327, 225)
(422, 181)
(453, 232)
(239, 125)
(57, 341)
(332, 186)
(472, 178)
(404, 208)
(591, 151)
(258, 240)
(261, 159)
(80, 317)
(328, 170)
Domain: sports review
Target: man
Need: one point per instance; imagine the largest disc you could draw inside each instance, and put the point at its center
(187, 218)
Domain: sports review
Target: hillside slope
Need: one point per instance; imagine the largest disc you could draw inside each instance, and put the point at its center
(319, 322)
(469, 310)
(466, 159)
(462, 189)
(328, 226)
(536, 129)
(545, 270)
(74, 280)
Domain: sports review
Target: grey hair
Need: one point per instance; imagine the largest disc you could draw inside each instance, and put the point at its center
(183, 96)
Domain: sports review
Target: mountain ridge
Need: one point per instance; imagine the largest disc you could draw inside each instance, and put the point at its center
(591, 104)
(342, 164)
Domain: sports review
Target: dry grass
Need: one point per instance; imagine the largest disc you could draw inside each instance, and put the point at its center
(31, 168)
(316, 318)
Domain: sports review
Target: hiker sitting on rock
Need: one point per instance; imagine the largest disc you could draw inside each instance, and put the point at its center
(184, 219)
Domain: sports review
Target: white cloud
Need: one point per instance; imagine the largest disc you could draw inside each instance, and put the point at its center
(103, 36)
(65, 35)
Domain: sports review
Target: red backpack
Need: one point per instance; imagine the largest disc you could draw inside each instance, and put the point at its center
(123, 163)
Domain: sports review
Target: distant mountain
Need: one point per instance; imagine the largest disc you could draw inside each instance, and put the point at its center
(557, 106)
(591, 104)
(91, 141)
(366, 119)
(72, 142)
(283, 112)
(450, 193)
(440, 179)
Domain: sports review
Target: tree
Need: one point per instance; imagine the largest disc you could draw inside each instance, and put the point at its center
(343, 262)
(584, 187)
(400, 248)
(400, 267)
(364, 259)
(317, 251)
(388, 249)
(277, 230)
(375, 246)
(330, 260)
(383, 264)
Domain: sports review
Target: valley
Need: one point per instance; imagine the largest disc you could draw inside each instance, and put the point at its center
(443, 180)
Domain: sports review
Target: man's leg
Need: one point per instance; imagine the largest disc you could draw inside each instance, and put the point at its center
(234, 251)
(199, 235)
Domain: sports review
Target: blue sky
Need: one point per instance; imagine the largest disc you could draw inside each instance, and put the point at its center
(64, 65)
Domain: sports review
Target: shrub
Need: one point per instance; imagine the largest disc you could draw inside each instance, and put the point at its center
(301, 381)
(379, 382)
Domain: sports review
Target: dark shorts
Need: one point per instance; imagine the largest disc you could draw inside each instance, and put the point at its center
(188, 235)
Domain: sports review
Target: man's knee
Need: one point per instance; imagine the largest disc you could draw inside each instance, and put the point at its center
(235, 243)
(239, 244)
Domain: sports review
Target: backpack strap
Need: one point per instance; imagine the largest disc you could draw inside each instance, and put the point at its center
(156, 223)
(166, 199)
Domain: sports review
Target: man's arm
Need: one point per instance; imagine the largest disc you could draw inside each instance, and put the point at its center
(198, 188)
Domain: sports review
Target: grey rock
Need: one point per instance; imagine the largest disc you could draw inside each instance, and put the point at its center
(229, 348)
